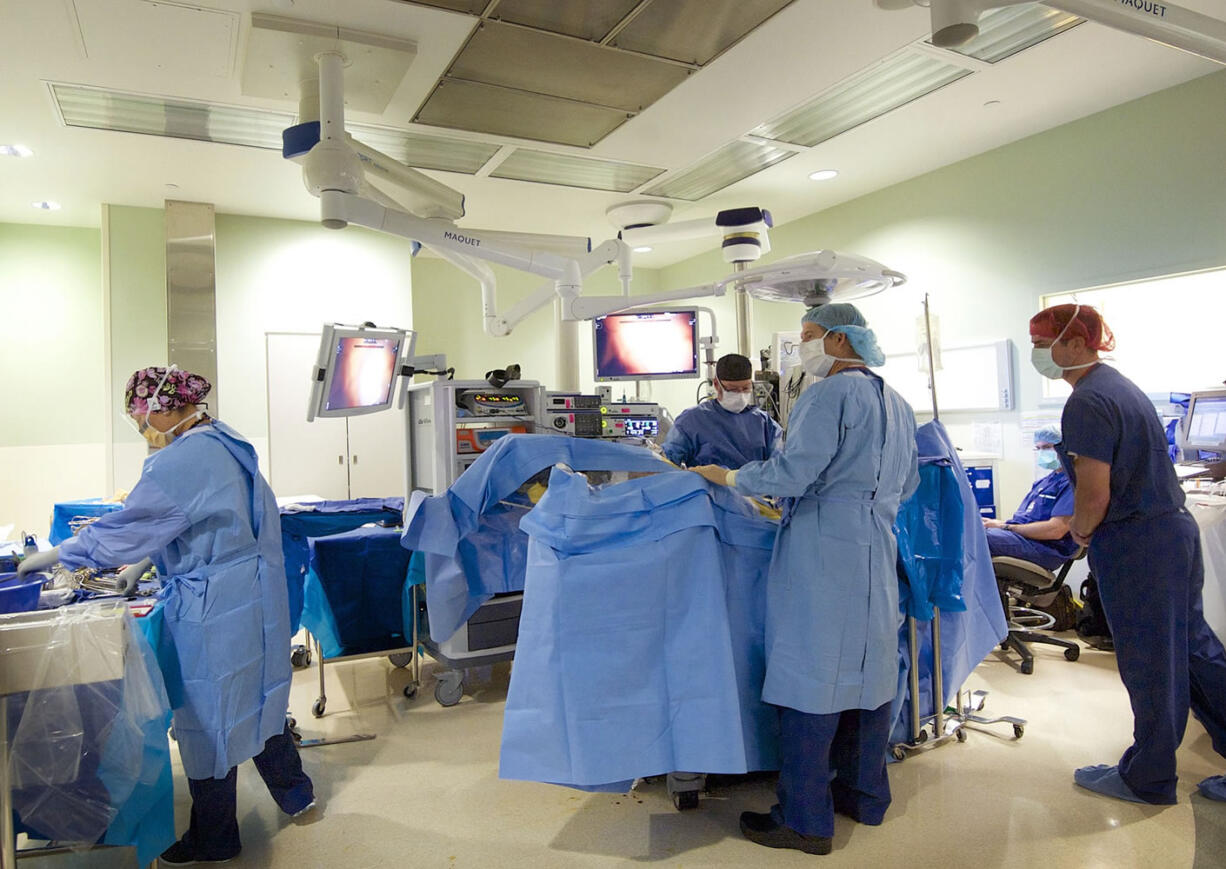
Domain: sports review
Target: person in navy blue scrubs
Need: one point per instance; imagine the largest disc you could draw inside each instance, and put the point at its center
(728, 430)
(1039, 530)
(1144, 549)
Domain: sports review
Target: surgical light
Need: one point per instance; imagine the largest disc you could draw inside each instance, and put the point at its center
(643, 248)
(823, 174)
(15, 151)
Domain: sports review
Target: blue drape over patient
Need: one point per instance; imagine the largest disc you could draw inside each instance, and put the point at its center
(641, 639)
(470, 536)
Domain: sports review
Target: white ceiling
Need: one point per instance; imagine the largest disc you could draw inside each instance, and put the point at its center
(199, 49)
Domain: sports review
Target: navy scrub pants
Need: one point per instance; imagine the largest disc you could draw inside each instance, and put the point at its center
(213, 831)
(1014, 545)
(1150, 575)
(832, 763)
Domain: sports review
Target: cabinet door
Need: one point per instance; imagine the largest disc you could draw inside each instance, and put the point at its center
(305, 458)
(376, 454)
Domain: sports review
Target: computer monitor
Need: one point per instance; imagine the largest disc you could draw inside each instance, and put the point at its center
(356, 370)
(646, 345)
(1204, 428)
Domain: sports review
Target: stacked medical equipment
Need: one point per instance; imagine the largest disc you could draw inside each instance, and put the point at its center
(451, 423)
(598, 416)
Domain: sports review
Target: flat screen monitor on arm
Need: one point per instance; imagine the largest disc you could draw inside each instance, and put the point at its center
(356, 370)
(1204, 428)
(646, 345)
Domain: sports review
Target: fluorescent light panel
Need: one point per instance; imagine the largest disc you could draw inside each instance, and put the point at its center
(1005, 32)
(100, 109)
(728, 165)
(546, 168)
(895, 81)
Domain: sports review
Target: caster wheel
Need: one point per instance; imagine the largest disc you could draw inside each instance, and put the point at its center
(299, 657)
(449, 691)
(1027, 668)
(685, 800)
(922, 738)
(960, 735)
(898, 753)
(410, 691)
(401, 659)
(1018, 731)
(317, 708)
(291, 721)
(1072, 654)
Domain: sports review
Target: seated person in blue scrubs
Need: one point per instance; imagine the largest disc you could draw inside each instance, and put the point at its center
(728, 430)
(1144, 550)
(1039, 530)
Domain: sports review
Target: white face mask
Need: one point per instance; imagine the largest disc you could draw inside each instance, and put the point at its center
(734, 402)
(1040, 357)
(815, 360)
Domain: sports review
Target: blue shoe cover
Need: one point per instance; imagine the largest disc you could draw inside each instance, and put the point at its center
(1214, 787)
(1106, 780)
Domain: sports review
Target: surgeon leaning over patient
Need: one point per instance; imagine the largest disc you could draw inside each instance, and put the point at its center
(832, 614)
(1144, 549)
(727, 430)
(205, 515)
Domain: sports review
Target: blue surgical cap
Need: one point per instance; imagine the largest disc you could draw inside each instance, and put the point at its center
(1048, 434)
(845, 318)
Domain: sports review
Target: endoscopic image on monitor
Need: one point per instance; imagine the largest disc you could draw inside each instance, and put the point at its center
(652, 344)
(363, 372)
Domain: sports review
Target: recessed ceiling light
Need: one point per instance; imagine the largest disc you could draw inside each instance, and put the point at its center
(642, 249)
(46, 205)
(823, 174)
(15, 151)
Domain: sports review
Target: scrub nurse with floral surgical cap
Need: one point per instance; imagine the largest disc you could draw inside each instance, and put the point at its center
(206, 517)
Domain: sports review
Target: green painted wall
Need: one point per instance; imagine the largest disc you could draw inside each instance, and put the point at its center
(51, 292)
(136, 238)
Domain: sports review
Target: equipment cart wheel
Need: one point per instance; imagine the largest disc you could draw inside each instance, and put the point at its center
(684, 801)
(1072, 654)
(401, 659)
(960, 733)
(410, 691)
(299, 657)
(449, 688)
(899, 752)
(317, 708)
(1018, 731)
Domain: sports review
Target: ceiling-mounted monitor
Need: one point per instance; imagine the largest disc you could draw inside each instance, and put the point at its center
(646, 345)
(356, 370)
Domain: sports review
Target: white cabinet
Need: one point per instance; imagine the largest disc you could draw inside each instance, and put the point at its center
(335, 458)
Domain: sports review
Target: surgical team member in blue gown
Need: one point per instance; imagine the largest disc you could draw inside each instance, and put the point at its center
(727, 430)
(1039, 530)
(832, 614)
(205, 515)
(1144, 549)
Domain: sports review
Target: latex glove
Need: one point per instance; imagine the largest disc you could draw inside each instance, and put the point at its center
(38, 561)
(712, 473)
(130, 576)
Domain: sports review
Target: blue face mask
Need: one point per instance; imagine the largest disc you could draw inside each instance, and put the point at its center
(1048, 460)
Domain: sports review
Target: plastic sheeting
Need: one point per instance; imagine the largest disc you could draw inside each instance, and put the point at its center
(640, 644)
(966, 637)
(929, 530)
(87, 715)
(319, 519)
(472, 542)
(354, 591)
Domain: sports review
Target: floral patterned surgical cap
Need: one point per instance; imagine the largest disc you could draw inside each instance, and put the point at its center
(181, 389)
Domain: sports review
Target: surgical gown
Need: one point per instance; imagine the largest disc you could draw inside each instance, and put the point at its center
(209, 521)
(832, 615)
(709, 435)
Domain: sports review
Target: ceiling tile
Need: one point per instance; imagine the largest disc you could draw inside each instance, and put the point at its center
(591, 20)
(525, 164)
(541, 63)
(695, 31)
(482, 108)
(472, 7)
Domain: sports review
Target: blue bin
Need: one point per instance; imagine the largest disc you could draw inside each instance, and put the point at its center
(19, 595)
